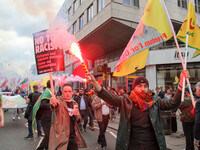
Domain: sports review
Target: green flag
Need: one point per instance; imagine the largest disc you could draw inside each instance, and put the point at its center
(45, 95)
(24, 81)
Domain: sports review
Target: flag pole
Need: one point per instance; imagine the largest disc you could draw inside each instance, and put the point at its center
(185, 66)
(175, 39)
(51, 82)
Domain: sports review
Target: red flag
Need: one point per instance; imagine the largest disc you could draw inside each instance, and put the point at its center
(24, 85)
(100, 81)
(18, 80)
(4, 83)
(79, 71)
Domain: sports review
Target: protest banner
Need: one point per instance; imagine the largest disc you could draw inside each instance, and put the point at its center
(48, 54)
(13, 101)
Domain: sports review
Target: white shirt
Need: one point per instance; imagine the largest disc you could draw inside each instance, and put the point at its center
(105, 109)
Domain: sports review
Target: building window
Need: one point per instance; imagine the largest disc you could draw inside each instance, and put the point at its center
(182, 3)
(197, 6)
(100, 5)
(90, 13)
(135, 3)
(126, 2)
(75, 27)
(69, 12)
(81, 1)
(81, 21)
(75, 4)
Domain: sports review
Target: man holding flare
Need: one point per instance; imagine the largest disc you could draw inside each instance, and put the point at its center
(140, 124)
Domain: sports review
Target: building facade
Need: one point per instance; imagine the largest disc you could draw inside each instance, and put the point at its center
(103, 29)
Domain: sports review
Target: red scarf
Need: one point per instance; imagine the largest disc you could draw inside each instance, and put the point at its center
(142, 101)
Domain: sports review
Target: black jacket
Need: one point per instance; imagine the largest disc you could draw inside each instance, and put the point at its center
(87, 102)
(197, 120)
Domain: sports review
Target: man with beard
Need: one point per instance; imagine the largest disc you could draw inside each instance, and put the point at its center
(140, 126)
(84, 104)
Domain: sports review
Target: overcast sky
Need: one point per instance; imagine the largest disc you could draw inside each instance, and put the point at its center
(19, 19)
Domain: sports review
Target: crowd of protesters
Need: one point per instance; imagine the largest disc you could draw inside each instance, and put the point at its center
(64, 118)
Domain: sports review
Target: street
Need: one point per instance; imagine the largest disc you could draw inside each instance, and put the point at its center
(13, 133)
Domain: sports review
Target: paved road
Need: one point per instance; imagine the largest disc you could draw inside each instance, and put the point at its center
(13, 133)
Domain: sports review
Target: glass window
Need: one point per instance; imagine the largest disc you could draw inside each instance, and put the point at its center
(126, 2)
(197, 6)
(182, 3)
(75, 4)
(69, 12)
(90, 13)
(81, 21)
(81, 1)
(75, 27)
(135, 3)
(100, 5)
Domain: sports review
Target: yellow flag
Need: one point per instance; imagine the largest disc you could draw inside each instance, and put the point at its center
(190, 26)
(32, 83)
(131, 64)
(152, 30)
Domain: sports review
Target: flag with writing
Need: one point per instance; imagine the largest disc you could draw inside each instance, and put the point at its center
(152, 30)
(190, 26)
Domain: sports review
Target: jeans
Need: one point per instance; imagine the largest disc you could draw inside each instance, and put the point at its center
(30, 130)
(188, 129)
(16, 111)
(84, 116)
(102, 130)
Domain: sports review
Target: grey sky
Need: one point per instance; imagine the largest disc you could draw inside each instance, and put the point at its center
(19, 19)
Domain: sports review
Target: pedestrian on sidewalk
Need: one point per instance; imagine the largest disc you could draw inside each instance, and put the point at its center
(102, 115)
(1, 113)
(197, 118)
(65, 134)
(187, 120)
(140, 124)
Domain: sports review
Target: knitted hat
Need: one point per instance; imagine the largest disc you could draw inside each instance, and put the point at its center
(139, 80)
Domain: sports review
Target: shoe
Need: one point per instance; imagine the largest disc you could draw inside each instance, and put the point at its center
(180, 136)
(28, 137)
(85, 130)
(103, 148)
(41, 135)
(18, 117)
(91, 127)
(13, 118)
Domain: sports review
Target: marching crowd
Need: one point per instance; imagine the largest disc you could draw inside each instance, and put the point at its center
(61, 119)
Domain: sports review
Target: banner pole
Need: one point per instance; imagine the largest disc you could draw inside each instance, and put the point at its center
(51, 83)
(175, 39)
(185, 65)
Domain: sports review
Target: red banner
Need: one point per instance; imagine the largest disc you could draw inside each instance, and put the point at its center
(48, 54)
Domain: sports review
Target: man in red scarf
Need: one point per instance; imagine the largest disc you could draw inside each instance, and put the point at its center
(140, 126)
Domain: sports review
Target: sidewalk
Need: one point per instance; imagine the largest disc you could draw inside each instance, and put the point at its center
(172, 141)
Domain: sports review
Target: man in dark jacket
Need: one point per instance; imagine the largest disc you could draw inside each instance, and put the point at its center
(187, 120)
(197, 118)
(140, 124)
(32, 98)
(46, 115)
(84, 104)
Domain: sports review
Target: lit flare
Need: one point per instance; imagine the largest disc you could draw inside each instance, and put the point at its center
(75, 50)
